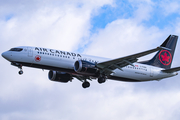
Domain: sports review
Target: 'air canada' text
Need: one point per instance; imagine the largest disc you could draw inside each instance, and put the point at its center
(57, 52)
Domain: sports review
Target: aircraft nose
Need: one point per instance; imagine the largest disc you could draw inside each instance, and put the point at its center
(5, 55)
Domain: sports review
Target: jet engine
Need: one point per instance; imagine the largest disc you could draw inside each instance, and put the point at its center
(59, 76)
(86, 68)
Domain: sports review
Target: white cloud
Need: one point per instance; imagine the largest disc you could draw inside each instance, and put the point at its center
(170, 7)
(143, 12)
(62, 26)
(123, 37)
(143, 9)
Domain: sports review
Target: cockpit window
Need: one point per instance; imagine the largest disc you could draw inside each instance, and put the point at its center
(16, 49)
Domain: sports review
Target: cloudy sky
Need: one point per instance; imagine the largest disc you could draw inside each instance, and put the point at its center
(107, 28)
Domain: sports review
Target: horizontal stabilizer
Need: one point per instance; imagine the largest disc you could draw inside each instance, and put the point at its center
(171, 70)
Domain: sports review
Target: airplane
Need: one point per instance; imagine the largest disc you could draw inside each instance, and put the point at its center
(64, 66)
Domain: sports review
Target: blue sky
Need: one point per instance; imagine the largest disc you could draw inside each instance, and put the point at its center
(125, 10)
(107, 28)
(108, 13)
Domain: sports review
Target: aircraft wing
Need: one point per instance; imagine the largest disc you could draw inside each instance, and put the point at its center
(107, 67)
(171, 70)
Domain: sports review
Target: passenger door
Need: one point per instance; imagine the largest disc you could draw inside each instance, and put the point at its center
(30, 52)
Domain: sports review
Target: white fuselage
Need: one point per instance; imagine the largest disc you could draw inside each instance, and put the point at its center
(64, 61)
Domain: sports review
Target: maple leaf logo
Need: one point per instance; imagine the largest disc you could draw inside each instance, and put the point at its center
(37, 58)
(165, 57)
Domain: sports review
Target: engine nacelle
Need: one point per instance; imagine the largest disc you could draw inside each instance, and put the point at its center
(86, 68)
(59, 76)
